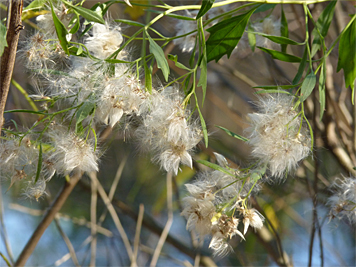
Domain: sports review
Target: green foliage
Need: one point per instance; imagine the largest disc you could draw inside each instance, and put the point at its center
(3, 42)
(233, 134)
(280, 55)
(88, 14)
(215, 167)
(158, 53)
(39, 164)
(61, 31)
(347, 55)
(307, 86)
(322, 26)
(83, 112)
(225, 35)
(174, 58)
(284, 29)
(36, 4)
(322, 80)
(205, 6)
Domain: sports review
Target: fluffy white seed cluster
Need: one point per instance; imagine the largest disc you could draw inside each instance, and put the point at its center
(167, 129)
(214, 207)
(277, 134)
(269, 26)
(95, 93)
(19, 161)
(343, 201)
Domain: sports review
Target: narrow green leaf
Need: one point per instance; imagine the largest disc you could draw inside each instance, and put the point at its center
(264, 8)
(88, 14)
(307, 86)
(302, 66)
(61, 31)
(322, 80)
(347, 55)
(177, 63)
(205, 6)
(203, 126)
(95, 138)
(322, 24)
(280, 55)
(76, 26)
(225, 35)
(84, 111)
(233, 134)
(251, 38)
(278, 39)
(79, 51)
(3, 42)
(215, 167)
(148, 78)
(158, 53)
(39, 164)
(203, 79)
(284, 29)
(130, 22)
(268, 87)
(36, 4)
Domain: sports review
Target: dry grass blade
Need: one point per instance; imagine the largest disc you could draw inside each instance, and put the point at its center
(168, 225)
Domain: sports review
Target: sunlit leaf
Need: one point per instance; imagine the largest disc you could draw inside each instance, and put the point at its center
(347, 55)
(233, 134)
(215, 167)
(307, 86)
(322, 24)
(158, 53)
(280, 55)
(205, 6)
(61, 31)
(225, 35)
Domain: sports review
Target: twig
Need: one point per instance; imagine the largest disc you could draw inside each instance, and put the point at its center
(9, 55)
(93, 204)
(47, 219)
(79, 221)
(137, 235)
(114, 186)
(3, 232)
(168, 225)
(114, 216)
(67, 256)
(68, 243)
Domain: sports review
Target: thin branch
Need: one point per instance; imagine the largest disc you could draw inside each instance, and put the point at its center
(114, 186)
(47, 219)
(67, 256)
(114, 216)
(166, 229)
(68, 243)
(9, 55)
(137, 235)
(74, 220)
(93, 204)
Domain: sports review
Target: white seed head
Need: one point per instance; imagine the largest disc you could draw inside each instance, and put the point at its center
(277, 136)
(343, 201)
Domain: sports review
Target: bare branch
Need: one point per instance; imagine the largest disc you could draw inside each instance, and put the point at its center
(68, 243)
(47, 219)
(8, 58)
(166, 229)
